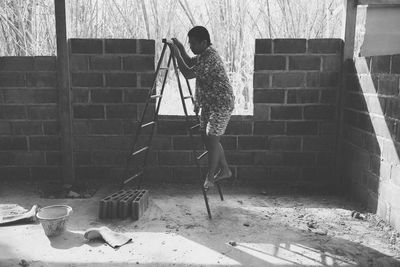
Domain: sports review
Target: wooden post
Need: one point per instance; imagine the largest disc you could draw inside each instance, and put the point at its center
(65, 114)
(347, 61)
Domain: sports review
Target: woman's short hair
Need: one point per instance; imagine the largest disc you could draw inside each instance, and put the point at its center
(200, 33)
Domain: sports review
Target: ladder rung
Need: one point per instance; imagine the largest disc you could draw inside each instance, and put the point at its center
(148, 124)
(186, 97)
(202, 155)
(194, 127)
(155, 96)
(133, 177)
(140, 150)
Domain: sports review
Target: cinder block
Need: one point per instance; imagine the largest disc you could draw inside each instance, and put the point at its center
(80, 95)
(319, 143)
(16, 63)
(87, 79)
(299, 159)
(44, 143)
(120, 46)
(88, 112)
(144, 46)
(296, 96)
(392, 107)
(395, 64)
(13, 143)
(261, 80)
(53, 158)
(27, 128)
(268, 158)
(186, 174)
(82, 158)
(124, 111)
(174, 157)
(388, 85)
(252, 143)
(291, 79)
(7, 158)
(137, 96)
(170, 127)
(86, 46)
(263, 62)
(284, 143)
(186, 143)
(239, 128)
(302, 128)
(15, 172)
(229, 142)
(138, 63)
(304, 63)
(325, 46)
(140, 204)
(320, 112)
(250, 174)
(289, 46)
(146, 79)
(46, 173)
(78, 63)
(322, 79)
(121, 79)
(263, 46)
(13, 112)
(286, 113)
(117, 143)
(42, 112)
(36, 96)
(106, 96)
(380, 64)
(12, 79)
(285, 174)
(41, 79)
(125, 203)
(329, 96)
(105, 63)
(269, 96)
(29, 158)
(44, 63)
(269, 128)
(261, 112)
(106, 127)
(238, 158)
(5, 127)
(108, 207)
(331, 63)
(108, 157)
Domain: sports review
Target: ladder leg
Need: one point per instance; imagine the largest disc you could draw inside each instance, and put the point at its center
(206, 200)
(219, 191)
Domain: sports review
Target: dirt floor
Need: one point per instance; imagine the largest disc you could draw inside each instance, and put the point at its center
(251, 227)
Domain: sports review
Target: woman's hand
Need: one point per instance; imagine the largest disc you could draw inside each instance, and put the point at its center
(177, 43)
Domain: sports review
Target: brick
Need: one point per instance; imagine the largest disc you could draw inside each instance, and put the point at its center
(46, 173)
(395, 64)
(5, 127)
(186, 143)
(269, 96)
(304, 63)
(80, 95)
(322, 79)
(284, 143)
(120, 46)
(239, 128)
(44, 143)
(138, 63)
(51, 128)
(105, 63)
(121, 80)
(147, 80)
(320, 143)
(171, 127)
(106, 127)
(302, 128)
(261, 80)
(174, 157)
(12, 112)
(327, 128)
(16, 63)
(331, 63)
(269, 128)
(325, 46)
(288, 79)
(41, 79)
(319, 112)
(263, 62)
(328, 96)
(388, 85)
(78, 63)
(239, 157)
(108, 157)
(261, 112)
(299, 159)
(87, 79)
(82, 143)
(7, 158)
(296, 96)
(380, 64)
(45, 63)
(144, 46)
(88, 112)
(392, 107)
(86, 46)
(106, 96)
(125, 111)
(252, 142)
(29, 158)
(43, 112)
(168, 143)
(12, 79)
(268, 158)
(150, 111)
(286, 113)
(229, 142)
(289, 46)
(263, 46)
(136, 96)
(27, 128)
(13, 143)
(31, 96)
(355, 101)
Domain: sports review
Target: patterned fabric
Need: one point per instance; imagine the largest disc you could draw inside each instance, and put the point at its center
(214, 123)
(213, 89)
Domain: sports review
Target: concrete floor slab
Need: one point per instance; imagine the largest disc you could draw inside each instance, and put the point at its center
(268, 230)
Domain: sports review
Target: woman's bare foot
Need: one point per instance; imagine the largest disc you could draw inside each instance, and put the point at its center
(208, 183)
(223, 174)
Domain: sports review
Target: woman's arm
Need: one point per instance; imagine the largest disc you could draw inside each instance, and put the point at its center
(183, 67)
(189, 61)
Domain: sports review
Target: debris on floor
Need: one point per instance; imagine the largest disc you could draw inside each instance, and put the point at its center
(114, 239)
(10, 213)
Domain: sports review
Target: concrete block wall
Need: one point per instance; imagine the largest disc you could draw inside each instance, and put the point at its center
(29, 130)
(293, 130)
(372, 135)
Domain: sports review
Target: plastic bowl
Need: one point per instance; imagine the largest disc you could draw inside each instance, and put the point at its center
(54, 218)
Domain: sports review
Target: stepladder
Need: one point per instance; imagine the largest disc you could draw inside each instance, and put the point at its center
(137, 160)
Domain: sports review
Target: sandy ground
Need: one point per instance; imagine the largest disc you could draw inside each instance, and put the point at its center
(250, 227)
